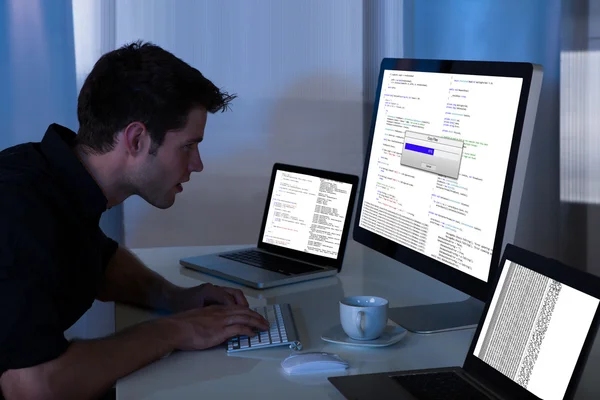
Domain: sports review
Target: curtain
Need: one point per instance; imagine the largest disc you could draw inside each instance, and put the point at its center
(579, 127)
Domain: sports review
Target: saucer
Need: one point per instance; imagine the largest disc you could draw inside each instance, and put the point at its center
(392, 334)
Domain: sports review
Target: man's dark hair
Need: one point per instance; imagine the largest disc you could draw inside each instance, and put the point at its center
(141, 82)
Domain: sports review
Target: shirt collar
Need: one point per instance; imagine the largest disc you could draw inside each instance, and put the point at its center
(57, 147)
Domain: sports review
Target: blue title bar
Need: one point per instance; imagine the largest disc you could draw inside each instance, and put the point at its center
(417, 148)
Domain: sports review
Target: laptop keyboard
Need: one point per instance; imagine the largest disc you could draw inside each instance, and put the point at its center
(282, 330)
(439, 386)
(270, 262)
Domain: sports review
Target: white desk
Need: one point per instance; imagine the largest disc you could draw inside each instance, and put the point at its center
(256, 374)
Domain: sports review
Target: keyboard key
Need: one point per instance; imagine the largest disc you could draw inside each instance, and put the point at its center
(264, 337)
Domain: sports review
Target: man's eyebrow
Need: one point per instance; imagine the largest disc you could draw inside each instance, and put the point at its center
(196, 140)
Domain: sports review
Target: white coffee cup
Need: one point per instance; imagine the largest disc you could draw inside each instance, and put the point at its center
(363, 317)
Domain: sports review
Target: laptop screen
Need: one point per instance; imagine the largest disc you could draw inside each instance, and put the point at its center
(534, 330)
(307, 213)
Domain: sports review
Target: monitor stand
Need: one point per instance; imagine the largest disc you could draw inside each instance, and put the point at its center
(433, 318)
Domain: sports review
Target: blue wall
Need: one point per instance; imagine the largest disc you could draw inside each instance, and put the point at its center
(5, 103)
(37, 69)
(505, 30)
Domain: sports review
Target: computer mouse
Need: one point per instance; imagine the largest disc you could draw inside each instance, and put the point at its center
(308, 363)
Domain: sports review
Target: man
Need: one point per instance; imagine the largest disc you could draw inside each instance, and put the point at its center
(142, 113)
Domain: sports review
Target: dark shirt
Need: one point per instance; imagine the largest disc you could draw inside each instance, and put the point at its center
(53, 253)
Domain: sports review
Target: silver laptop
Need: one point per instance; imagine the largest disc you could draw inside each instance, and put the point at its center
(532, 341)
(303, 234)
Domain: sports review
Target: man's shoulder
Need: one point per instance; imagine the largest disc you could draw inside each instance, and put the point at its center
(23, 171)
(17, 152)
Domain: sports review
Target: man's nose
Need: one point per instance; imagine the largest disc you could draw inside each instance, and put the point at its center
(196, 164)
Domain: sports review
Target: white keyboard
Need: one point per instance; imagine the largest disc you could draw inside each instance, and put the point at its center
(282, 331)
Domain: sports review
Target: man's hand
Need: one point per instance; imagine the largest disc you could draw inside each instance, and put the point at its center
(205, 295)
(210, 326)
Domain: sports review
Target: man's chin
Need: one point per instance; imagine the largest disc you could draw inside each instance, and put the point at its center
(163, 204)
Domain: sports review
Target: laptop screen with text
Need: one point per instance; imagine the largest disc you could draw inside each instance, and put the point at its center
(531, 334)
(307, 213)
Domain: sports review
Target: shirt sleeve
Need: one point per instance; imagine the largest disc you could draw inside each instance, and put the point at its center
(30, 332)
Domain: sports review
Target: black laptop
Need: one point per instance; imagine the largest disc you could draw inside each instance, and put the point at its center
(303, 234)
(532, 341)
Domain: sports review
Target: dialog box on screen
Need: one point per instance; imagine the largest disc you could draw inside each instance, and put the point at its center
(432, 153)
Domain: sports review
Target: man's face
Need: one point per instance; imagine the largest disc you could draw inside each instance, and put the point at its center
(161, 176)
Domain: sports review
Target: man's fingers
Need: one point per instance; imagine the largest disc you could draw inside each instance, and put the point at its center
(254, 321)
(216, 323)
(227, 312)
(231, 308)
(237, 330)
(232, 296)
(238, 295)
(217, 295)
(228, 299)
(237, 309)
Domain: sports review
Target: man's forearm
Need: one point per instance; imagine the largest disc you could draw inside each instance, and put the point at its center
(128, 280)
(89, 368)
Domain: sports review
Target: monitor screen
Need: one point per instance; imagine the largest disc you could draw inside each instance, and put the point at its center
(307, 213)
(438, 162)
(531, 334)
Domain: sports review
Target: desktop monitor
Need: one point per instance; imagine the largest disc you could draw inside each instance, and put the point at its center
(443, 175)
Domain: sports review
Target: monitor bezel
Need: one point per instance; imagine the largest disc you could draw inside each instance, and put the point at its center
(300, 255)
(436, 269)
(553, 269)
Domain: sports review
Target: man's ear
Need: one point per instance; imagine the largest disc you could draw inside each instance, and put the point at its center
(136, 139)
